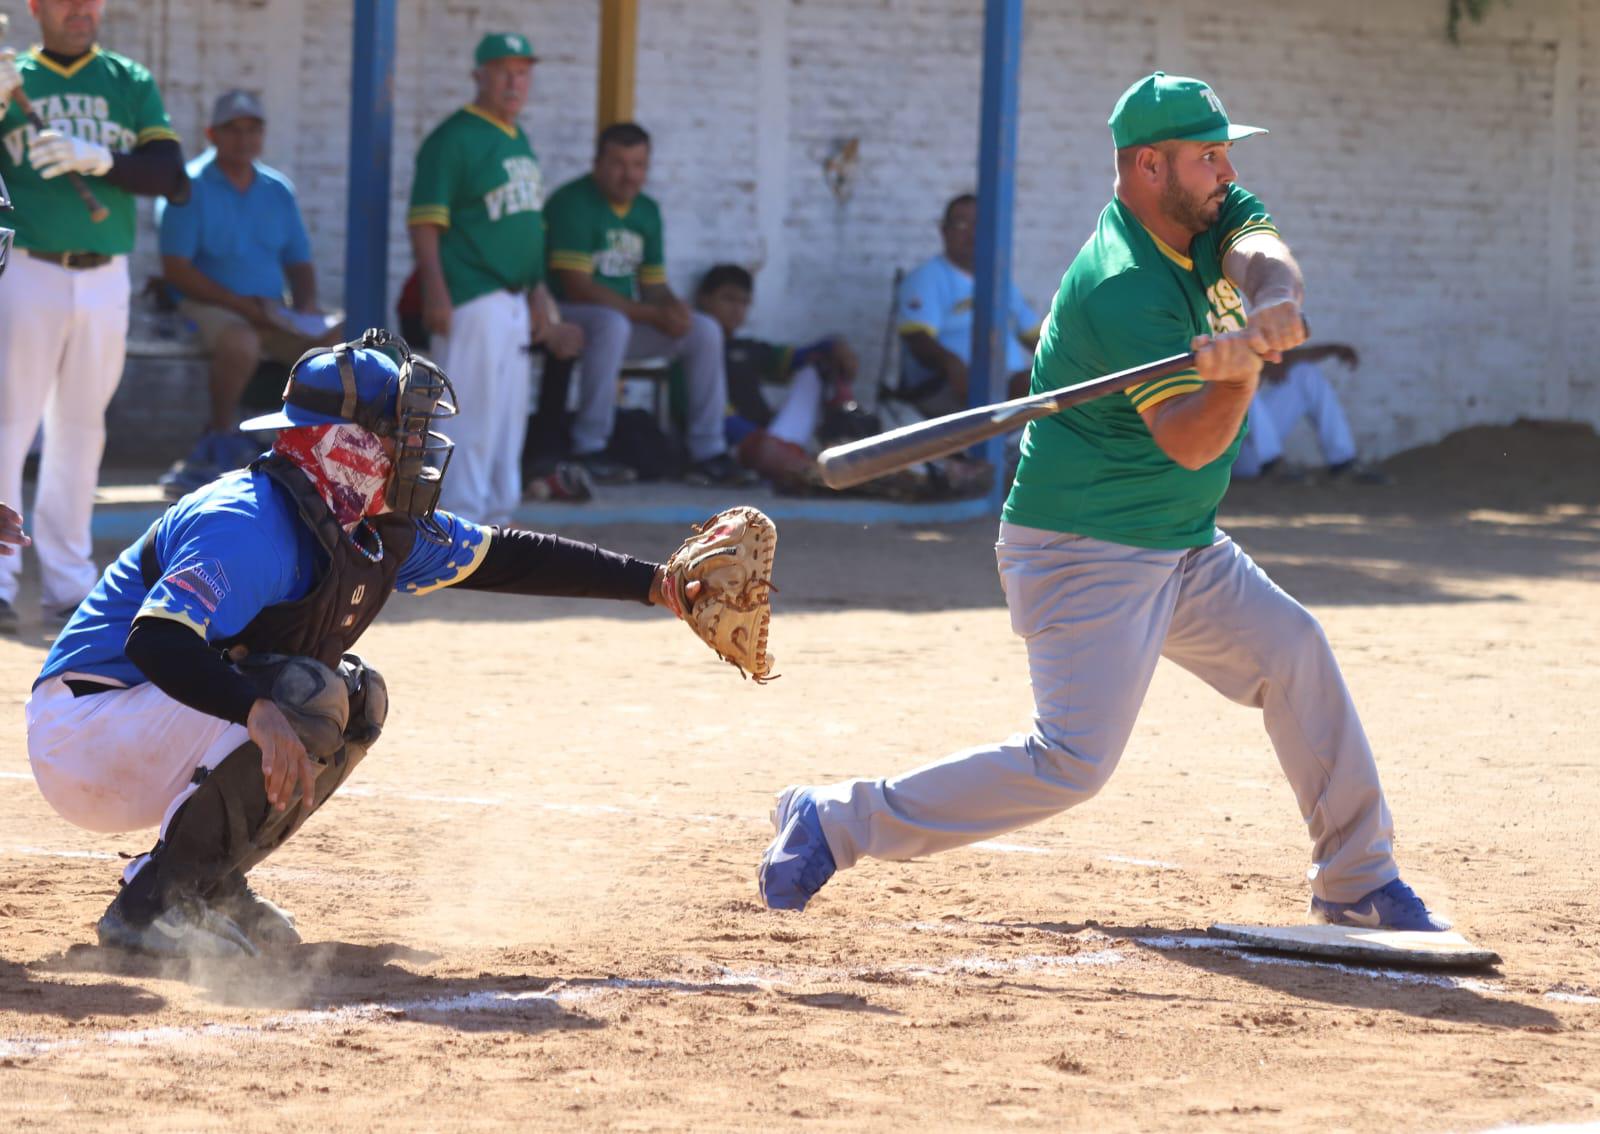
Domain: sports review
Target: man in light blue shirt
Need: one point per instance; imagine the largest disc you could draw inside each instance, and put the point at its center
(227, 254)
(935, 321)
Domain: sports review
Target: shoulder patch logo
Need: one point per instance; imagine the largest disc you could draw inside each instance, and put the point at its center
(205, 580)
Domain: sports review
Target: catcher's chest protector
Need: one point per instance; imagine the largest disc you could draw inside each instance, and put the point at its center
(352, 590)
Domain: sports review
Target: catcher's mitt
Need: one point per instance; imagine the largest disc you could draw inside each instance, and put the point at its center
(731, 558)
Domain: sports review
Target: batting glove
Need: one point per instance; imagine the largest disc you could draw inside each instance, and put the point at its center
(10, 77)
(53, 154)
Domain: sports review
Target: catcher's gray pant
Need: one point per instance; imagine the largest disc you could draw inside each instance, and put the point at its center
(1096, 616)
(610, 337)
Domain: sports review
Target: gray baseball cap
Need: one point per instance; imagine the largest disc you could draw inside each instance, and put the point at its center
(236, 104)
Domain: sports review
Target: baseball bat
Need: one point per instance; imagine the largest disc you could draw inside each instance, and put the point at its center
(844, 466)
(97, 211)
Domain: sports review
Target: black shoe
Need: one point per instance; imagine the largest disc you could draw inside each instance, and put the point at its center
(1358, 473)
(720, 470)
(183, 931)
(267, 925)
(8, 618)
(603, 470)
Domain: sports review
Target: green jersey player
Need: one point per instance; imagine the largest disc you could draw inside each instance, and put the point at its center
(1109, 552)
(64, 301)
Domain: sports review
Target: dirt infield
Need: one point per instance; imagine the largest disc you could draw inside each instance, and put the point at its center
(535, 907)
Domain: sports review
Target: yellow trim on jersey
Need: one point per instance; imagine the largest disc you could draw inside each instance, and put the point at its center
(1249, 228)
(621, 210)
(177, 616)
(429, 214)
(1154, 393)
(50, 64)
(572, 261)
(156, 134)
(464, 570)
(909, 328)
(653, 274)
(504, 127)
(1169, 251)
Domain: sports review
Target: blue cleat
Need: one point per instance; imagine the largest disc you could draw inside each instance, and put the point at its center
(1395, 906)
(798, 862)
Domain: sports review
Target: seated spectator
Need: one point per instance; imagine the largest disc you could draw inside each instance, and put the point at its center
(1289, 391)
(774, 440)
(608, 269)
(935, 322)
(226, 253)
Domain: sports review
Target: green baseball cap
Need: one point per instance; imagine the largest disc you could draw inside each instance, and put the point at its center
(1162, 107)
(503, 46)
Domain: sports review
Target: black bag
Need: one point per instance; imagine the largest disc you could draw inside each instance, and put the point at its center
(638, 441)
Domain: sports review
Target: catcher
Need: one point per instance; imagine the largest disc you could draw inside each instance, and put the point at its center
(206, 686)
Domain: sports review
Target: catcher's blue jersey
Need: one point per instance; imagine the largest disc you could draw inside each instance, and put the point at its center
(229, 551)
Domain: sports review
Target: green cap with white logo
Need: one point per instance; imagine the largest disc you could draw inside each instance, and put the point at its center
(1163, 107)
(503, 46)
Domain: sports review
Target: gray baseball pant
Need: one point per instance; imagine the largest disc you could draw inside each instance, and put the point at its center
(1096, 616)
(610, 338)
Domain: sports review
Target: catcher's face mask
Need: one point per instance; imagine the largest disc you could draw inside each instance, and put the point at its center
(5, 233)
(377, 383)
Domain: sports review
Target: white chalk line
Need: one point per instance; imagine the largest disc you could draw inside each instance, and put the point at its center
(502, 1002)
(1009, 848)
(562, 993)
(47, 852)
(1154, 863)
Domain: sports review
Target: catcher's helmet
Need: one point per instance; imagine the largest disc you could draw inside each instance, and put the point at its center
(377, 383)
(5, 233)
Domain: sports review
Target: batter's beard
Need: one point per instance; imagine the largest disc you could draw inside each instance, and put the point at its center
(1195, 214)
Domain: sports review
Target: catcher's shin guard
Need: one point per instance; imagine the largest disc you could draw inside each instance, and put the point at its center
(227, 825)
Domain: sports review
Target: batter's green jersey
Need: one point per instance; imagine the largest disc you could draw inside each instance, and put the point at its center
(478, 178)
(1129, 299)
(622, 249)
(104, 98)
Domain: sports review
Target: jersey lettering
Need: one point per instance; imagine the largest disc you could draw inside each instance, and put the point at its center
(622, 255)
(523, 191)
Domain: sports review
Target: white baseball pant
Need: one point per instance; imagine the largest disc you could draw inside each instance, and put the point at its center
(485, 356)
(63, 338)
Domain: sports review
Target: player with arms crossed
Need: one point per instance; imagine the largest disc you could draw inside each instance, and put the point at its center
(205, 685)
(1109, 553)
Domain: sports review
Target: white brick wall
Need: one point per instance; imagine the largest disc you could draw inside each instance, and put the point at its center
(1443, 200)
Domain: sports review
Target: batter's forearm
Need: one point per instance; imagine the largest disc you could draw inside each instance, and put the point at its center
(1265, 272)
(1195, 429)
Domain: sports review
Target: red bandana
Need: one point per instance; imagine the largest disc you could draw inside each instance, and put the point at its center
(346, 464)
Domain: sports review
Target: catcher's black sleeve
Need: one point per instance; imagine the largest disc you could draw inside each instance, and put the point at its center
(154, 169)
(186, 668)
(536, 563)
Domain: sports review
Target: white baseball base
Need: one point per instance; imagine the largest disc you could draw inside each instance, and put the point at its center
(1372, 946)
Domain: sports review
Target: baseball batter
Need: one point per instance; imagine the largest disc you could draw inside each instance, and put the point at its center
(1109, 552)
(478, 232)
(64, 303)
(205, 686)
